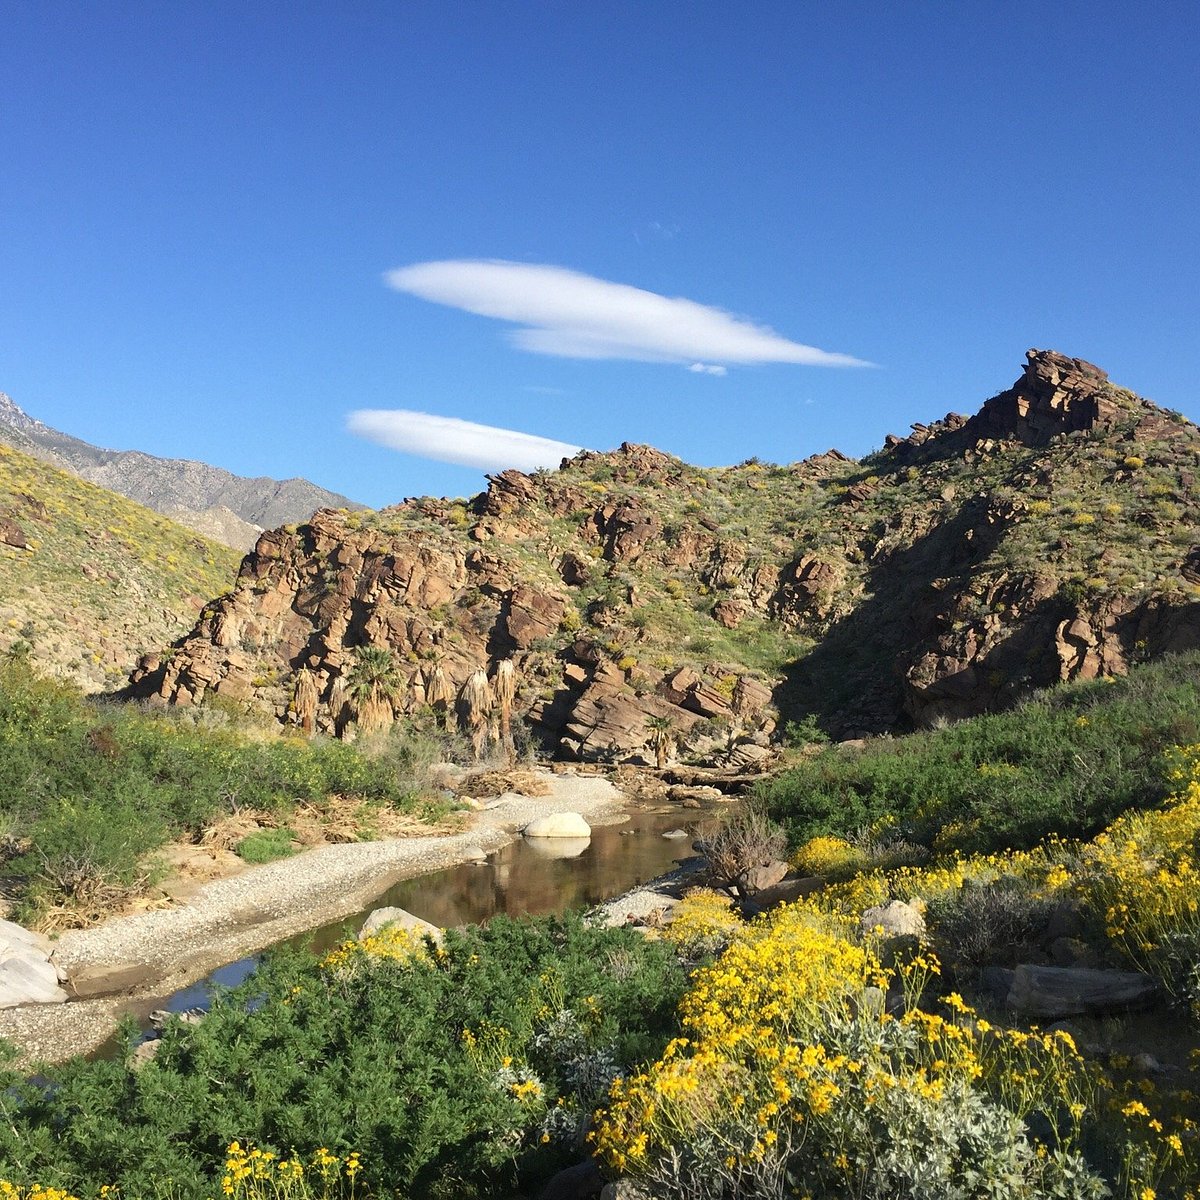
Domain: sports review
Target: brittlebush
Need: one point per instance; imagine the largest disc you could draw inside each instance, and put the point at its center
(1141, 874)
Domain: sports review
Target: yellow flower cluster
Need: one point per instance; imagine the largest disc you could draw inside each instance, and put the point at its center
(1143, 875)
(827, 856)
(10, 1191)
(390, 942)
(747, 1053)
(703, 922)
(255, 1174)
(789, 1054)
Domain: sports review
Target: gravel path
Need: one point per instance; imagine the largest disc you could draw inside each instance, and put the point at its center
(151, 954)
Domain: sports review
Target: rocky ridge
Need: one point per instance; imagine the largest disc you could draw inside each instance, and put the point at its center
(226, 507)
(1054, 535)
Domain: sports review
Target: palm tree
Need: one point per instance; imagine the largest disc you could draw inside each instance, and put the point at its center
(305, 697)
(375, 682)
(439, 694)
(504, 684)
(662, 738)
(475, 703)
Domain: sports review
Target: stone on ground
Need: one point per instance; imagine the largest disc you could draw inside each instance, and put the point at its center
(398, 918)
(1052, 993)
(554, 825)
(894, 919)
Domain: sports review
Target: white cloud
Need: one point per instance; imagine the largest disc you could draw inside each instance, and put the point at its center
(571, 315)
(448, 439)
(707, 369)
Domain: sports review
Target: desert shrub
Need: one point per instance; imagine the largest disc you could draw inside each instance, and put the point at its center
(832, 857)
(1142, 877)
(90, 788)
(746, 837)
(266, 845)
(996, 922)
(702, 924)
(791, 1073)
(793, 1076)
(442, 1071)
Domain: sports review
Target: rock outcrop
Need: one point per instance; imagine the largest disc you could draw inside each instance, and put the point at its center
(651, 609)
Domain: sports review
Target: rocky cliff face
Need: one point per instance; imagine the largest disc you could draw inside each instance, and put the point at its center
(226, 507)
(1054, 535)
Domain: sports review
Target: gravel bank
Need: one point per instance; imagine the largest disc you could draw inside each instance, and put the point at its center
(152, 954)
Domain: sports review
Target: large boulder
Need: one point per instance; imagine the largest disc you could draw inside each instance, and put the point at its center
(893, 920)
(558, 825)
(1052, 993)
(757, 879)
(27, 976)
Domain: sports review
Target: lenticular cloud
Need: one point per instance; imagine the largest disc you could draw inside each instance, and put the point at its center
(572, 315)
(451, 440)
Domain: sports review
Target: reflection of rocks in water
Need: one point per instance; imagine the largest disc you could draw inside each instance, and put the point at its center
(559, 847)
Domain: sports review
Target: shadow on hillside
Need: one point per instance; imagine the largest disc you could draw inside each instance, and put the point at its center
(853, 679)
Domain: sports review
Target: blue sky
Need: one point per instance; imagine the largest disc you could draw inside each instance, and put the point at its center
(202, 205)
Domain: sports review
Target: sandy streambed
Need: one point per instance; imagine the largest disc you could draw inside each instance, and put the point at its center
(135, 960)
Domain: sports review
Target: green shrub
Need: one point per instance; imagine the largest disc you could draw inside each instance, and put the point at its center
(266, 845)
(89, 789)
(444, 1073)
(1066, 762)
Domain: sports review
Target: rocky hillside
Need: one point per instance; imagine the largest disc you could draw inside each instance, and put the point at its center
(225, 507)
(90, 580)
(1053, 535)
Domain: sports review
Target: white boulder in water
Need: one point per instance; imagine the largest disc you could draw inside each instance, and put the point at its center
(559, 825)
(559, 847)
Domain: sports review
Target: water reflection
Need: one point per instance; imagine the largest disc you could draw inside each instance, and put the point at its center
(543, 875)
(530, 876)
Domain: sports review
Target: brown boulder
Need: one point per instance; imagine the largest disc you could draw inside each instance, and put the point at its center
(11, 534)
(730, 612)
(531, 615)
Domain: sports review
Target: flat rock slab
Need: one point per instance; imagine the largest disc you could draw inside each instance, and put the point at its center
(27, 974)
(1056, 992)
(107, 979)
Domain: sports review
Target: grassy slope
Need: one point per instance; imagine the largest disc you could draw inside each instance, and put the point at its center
(105, 579)
(90, 789)
(1067, 761)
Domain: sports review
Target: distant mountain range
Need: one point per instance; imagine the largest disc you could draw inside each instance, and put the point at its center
(226, 507)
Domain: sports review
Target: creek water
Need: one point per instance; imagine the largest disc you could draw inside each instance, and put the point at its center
(530, 876)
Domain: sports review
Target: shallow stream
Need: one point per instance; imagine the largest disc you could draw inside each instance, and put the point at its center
(530, 876)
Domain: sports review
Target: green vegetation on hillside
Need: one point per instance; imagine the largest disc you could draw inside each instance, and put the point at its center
(89, 790)
(102, 580)
(1065, 762)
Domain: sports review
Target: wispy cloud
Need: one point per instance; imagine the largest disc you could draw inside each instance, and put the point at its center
(707, 369)
(448, 439)
(572, 315)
